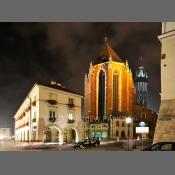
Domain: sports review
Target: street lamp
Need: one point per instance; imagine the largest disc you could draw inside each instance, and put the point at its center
(111, 126)
(128, 121)
(142, 124)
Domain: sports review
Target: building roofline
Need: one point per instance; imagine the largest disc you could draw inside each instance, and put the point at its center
(25, 98)
(64, 90)
(40, 84)
(60, 88)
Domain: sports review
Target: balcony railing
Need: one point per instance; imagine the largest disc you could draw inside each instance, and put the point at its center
(52, 102)
(52, 119)
(70, 121)
(34, 120)
(71, 105)
(34, 103)
(27, 124)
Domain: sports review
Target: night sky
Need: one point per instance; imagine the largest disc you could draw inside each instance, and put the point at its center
(41, 52)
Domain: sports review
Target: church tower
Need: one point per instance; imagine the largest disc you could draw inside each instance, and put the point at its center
(109, 88)
(165, 127)
(141, 85)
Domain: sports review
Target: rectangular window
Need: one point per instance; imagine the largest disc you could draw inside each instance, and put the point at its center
(115, 92)
(52, 113)
(34, 114)
(70, 116)
(163, 56)
(71, 101)
(143, 115)
(117, 123)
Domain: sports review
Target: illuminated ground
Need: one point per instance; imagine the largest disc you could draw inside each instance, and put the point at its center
(107, 146)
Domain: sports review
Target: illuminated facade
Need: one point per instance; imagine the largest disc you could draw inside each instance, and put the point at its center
(165, 127)
(109, 92)
(109, 87)
(50, 113)
(141, 85)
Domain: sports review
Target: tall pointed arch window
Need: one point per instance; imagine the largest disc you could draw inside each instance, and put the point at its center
(101, 95)
(115, 91)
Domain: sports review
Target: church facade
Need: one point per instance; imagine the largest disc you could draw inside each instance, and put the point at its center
(109, 87)
(110, 97)
(109, 93)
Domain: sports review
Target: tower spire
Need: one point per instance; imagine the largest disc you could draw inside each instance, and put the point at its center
(127, 66)
(141, 82)
(141, 61)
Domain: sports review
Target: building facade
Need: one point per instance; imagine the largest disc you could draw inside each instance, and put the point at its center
(143, 114)
(165, 130)
(50, 113)
(114, 128)
(141, 85)
(109, 94)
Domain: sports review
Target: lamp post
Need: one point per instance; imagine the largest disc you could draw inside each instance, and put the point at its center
(89, 126)
(111, 125)
(84, 120)
(142, 124)
(128, 121)
(94, 127)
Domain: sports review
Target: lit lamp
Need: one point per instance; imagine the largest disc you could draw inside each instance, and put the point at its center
(128, 121)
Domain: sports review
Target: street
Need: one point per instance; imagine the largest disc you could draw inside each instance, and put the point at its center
(104, 146)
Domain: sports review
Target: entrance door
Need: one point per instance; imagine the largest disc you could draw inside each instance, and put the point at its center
(123, 137)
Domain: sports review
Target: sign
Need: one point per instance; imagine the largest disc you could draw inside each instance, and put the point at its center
(142, 130)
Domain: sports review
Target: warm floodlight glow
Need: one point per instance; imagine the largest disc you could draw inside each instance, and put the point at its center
(128, 120)
(2, 137)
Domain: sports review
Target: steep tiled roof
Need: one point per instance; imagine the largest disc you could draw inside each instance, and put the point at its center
(107, 52)
(58, 87)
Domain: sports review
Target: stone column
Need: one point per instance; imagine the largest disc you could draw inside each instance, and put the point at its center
(61, 137)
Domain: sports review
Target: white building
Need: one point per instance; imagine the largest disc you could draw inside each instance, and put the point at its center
(165, 128)
(50, 113)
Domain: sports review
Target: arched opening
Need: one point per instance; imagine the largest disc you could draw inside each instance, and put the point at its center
(123, 124)
(28, 135)
(21, 137)
(117, 123)
(70, 135)
(123, 137)
(117, 133)
(115, 91)
(52, 134)
(101, 95)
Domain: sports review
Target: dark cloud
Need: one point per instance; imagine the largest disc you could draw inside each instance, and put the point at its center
(43, 52)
